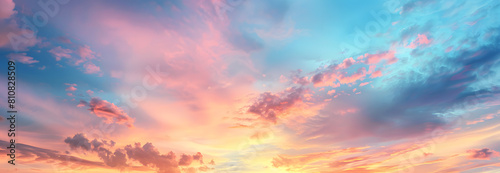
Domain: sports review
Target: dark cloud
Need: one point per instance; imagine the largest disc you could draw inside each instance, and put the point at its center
(186, 160)
(28, 153)
(109, 111)
(112, 159)
(270, 106)
(116, 159)
(79, 141)
(483, 154)
(146, 154)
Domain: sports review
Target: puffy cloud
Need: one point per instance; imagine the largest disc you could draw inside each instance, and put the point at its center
(109, 111)
(22, 58)
(271, 106)
(116, 159)
(186, 160)
(79, 141)
(482, 154)
(59, 53)
(85, 54)
(148, 155)
(91, 68)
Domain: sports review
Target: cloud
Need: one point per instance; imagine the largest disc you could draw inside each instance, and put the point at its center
(22, 58)
(12, 35)
(376, 74)
(35, 154)
(91, 68)
(60, 53)
(79, 141)
(71, 87)
(482, 154)
(90, 92)
(112, 159)
(336, 74)
(271, 106)
(147, 154)
(109, 111)
(85, 54)
(115, 159)
(6, 8)
(364, 83)
(331, 92)
(376, 58)
(186, 160)
(302, 160)
(420, 40)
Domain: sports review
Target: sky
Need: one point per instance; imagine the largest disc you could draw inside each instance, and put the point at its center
(277, 86)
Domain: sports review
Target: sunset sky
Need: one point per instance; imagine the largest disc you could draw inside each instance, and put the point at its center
(194, 86)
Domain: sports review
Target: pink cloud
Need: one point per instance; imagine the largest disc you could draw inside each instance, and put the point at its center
(71, 87)
(22, 58)
(85, 54)
(482, 154)
(331, 92)
(10, 29)
(420, 40)
(376, 58)
(6, 8)
(90, 92)
(109, 111)
(376, 74)
(359, 75)
(283, 79)
(60, 53)
(91, 68)
(271, 106)
(346, 63)
(364, 83)
(482, 119)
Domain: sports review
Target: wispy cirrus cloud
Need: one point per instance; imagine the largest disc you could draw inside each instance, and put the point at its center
(22, 58)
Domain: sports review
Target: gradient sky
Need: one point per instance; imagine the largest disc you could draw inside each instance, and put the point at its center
(253, 86)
